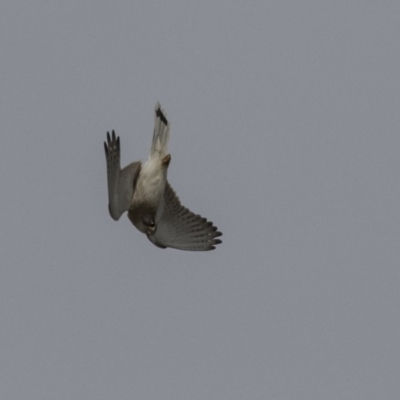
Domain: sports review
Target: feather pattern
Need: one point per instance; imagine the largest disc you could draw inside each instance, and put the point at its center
(182, 229)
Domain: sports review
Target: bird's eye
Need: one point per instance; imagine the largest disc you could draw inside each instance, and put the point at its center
(150, 224)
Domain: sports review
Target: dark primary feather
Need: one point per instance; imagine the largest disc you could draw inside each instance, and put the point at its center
(179, 228)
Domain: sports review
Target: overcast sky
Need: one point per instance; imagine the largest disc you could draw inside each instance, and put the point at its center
(285, 132)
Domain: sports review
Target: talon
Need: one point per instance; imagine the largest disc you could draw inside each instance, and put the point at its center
(166, 160)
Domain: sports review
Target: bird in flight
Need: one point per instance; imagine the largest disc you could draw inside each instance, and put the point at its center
(152, 205)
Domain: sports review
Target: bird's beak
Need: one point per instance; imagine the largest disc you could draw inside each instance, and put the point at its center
(150, 231)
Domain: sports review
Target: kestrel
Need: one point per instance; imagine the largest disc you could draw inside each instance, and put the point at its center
(152, 205)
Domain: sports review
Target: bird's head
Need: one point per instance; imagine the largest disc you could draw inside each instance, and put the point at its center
(149, 224)
(143, 219)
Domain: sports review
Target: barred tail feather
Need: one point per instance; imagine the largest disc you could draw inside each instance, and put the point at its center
(159, 145)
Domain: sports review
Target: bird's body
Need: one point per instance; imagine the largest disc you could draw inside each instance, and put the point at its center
(148, 194)
(152, 205)
(151, 182)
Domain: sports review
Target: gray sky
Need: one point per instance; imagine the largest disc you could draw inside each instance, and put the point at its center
(285, 132)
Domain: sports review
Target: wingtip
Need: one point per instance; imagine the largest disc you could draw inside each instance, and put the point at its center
(215, 243)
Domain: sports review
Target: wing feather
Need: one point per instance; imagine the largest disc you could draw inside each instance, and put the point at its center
(180, 228)
(121, 183)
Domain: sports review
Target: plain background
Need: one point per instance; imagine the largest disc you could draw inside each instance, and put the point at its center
(285, 133)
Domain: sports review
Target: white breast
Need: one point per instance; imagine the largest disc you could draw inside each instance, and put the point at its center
(151, 182)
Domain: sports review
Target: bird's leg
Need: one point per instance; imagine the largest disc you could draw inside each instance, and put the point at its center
(166, 160)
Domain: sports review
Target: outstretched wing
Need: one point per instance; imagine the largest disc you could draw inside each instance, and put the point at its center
(181, 229)
(121, 183)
